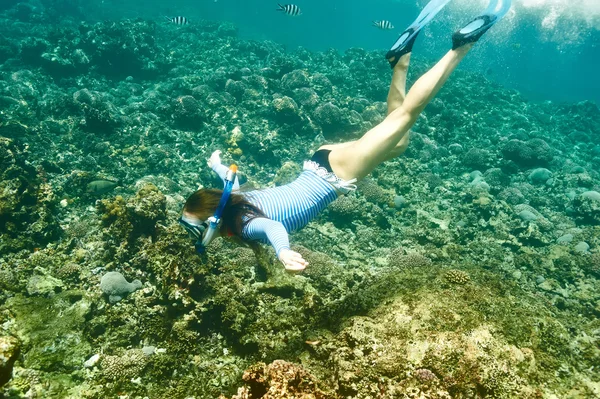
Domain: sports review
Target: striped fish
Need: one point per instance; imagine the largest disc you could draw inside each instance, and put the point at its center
(290, 9)
(178, 20)
(383, 25)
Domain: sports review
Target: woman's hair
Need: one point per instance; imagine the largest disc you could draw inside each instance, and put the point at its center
(238, 211)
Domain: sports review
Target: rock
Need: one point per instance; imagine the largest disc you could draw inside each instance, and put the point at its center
(540, 176)
(587, 207)
(547, 285)
(116, 286)
(592, 195)
(540, 279)
(91, 362)
(44, 286)
(9, 351)
(399, 202)
(527, 216)
(582, 247)
(149, 350)
(565, 239)
(528, 213)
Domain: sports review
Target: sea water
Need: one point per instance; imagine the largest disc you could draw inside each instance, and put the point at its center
(467, 267)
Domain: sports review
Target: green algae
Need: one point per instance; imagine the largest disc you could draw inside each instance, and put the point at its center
(51, 330)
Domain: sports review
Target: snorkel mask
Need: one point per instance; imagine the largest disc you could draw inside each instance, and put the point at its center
(205, 232)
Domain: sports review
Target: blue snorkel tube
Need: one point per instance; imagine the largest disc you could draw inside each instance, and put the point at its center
(215, 220)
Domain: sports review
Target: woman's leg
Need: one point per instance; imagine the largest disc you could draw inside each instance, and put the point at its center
(397, 91)
(359, 158)
(395, 98)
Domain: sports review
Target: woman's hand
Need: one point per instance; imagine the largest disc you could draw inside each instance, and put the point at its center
(293, 261)
(215, 159)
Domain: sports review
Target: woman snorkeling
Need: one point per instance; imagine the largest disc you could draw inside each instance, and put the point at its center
(269, 215)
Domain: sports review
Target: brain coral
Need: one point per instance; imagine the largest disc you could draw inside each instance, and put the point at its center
(476, 158)
(295, 80)
(331, 118)
(124, 367)
(374, 193)
(528, 153)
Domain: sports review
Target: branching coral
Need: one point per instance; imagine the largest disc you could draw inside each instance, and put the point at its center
(458, 277)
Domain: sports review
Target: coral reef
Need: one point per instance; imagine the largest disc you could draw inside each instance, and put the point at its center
(9, 351)
(397, 259)
(125, 367)
(279, 379)
(116, 286)
(27, 203)
(468, 267)
(457, 277)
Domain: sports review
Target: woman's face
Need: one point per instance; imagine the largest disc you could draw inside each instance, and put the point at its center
(191, 218)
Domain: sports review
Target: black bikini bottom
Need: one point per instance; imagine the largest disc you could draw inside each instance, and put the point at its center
(322, 158)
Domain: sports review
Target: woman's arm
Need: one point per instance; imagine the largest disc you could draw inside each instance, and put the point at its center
(214, 162)
(274, 232)
(270, 230)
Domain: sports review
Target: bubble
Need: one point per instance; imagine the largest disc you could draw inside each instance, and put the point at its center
(566, 23)
(549, 12)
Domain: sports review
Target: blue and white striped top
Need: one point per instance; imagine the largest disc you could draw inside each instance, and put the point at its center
(288, 208)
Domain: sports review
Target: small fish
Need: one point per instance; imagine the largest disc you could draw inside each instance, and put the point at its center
(383, 25)
(101, 186)
(178, 20)
(290, 9)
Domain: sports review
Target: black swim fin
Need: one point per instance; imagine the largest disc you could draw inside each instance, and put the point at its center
(403, 45)
(407, 38)
(473, 31)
